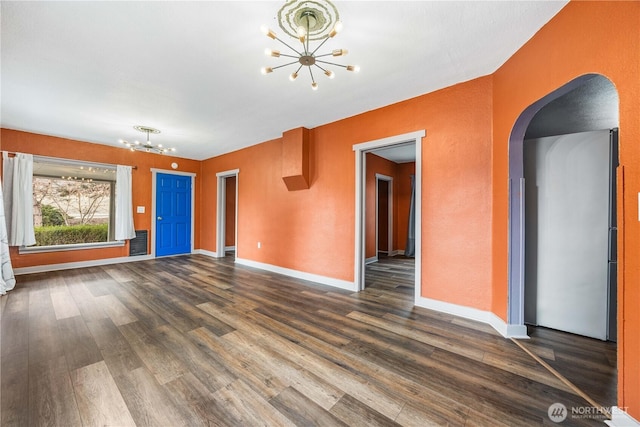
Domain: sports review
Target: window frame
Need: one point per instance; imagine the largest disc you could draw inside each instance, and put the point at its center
(79, 246)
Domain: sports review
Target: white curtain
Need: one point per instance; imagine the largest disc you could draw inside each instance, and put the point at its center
(410, 247)
(7, 279)
(124, 204)
(18, 202)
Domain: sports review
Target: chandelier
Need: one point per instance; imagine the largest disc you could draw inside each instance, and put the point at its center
(312, 20)
(146, 146)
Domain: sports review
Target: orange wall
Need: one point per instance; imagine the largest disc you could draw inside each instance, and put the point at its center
(404, 172)
(583, 38)
(313, 230)
(308, 230)
(43, 145)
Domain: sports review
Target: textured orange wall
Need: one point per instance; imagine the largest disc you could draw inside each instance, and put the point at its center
(313, 230)
(307, 230)
(403, 184)
(583, 38)
(44, 145)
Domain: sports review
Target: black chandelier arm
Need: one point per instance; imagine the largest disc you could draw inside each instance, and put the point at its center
(330, 63)
(311, 73)
(323, 55)
(324, 70)
(319, 46)
(289, 56)
(290, 47)
(285, 65)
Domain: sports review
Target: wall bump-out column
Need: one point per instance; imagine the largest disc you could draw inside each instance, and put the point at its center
(295, 159)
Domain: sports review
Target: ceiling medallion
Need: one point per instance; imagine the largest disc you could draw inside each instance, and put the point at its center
(146, 145)
(308, 20)
(293, 15)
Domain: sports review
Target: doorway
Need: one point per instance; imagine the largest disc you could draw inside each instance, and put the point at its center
(587, 103)
(413, 140)
(227, 214)
(384, 215)
(230, 216)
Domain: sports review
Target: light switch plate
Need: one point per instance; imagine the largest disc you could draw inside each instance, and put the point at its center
(140, 209)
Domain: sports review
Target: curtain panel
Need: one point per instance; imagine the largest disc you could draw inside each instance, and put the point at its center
(18, 198)
(124, 204)
(410, 248)
(7, 278)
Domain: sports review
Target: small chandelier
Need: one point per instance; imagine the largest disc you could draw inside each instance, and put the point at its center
(306, 21)
(146, 146)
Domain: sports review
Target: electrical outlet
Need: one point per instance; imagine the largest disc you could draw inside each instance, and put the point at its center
(259, 245)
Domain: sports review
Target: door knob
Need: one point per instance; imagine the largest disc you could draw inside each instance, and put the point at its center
(159, 218)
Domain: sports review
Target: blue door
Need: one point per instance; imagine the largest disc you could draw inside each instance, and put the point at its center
(173, 214)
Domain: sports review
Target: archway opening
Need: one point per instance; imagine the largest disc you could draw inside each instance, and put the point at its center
(549, 148)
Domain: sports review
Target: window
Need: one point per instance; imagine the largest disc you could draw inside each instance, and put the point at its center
(73, 205)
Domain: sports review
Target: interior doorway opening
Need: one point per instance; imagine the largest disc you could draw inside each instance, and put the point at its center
(384, 216)
(230, 216)
(572, 137)
(411, 142)
(587, 103)
(227, 214)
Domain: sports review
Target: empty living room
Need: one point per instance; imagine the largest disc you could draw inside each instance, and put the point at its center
(320, 212)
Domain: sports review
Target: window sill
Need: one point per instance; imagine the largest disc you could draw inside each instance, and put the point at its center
(74, 247)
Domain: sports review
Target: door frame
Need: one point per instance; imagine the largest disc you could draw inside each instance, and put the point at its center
(221, 211)
(360, 181)
(154, 177)
(389, 180)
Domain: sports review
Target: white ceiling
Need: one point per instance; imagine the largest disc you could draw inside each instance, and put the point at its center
(93, 70)
(401, 153)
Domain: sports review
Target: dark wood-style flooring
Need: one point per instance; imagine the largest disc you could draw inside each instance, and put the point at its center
(195, 341)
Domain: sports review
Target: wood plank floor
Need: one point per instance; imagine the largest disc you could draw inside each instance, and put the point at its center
(195, 341)
(589, 364)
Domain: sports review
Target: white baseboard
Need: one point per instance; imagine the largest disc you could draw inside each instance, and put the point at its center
(330, 281)
(206, 253)
(79, 264)
(397, 252)
(507, 331)
(371, 260)
(620, 418)
(229, 248)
